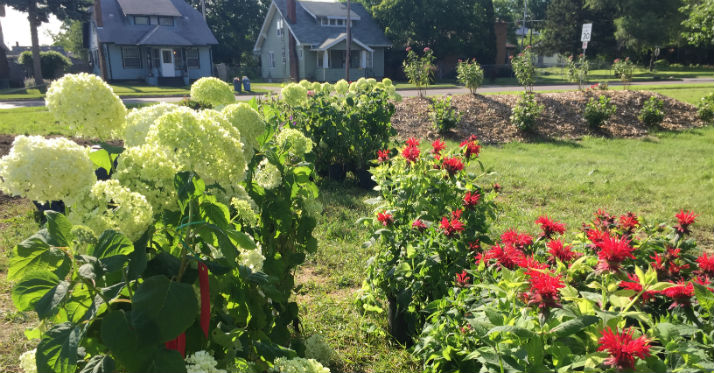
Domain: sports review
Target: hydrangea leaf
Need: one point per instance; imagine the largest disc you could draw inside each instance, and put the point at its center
(57, 352)
(163, 309)
(36, 254)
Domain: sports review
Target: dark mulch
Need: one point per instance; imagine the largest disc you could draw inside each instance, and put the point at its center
(488, 117)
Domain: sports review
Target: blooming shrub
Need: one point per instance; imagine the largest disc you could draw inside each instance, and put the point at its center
(598, 111)
(623, 70)
(138, 122)
(443, 115)
(470, 74)
(298, 365)
(526, 309)
(430, 214)
(524, 68)
(652, 112)
(294, 94)
(419, 70)
(526, 112)
(149, 170)
(705, 108)
(67, 100)
(578, 70)
(212, 91)
(248, 122)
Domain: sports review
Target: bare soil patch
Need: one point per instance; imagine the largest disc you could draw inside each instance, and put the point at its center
(488, 117)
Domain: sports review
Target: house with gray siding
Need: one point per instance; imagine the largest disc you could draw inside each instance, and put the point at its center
(163, 42)
(308, 40)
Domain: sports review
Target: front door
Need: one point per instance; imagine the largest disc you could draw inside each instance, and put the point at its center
(167, 63)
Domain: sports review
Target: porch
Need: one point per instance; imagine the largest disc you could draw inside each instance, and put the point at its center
(331, 58)
(158, 64)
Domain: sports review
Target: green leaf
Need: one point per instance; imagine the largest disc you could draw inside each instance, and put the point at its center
(99, 364)
(49, 304)
(517, 330)
(167, 361)
(32, 288)
(573, 326)
(666, 332)
(163, 307)
(215, 213)
(188, 185)
(120, 336)
(112, 243)
(243, 240)
(57, 352)
(36, 254)
(660, 286)
(101, 158)
(59, 228)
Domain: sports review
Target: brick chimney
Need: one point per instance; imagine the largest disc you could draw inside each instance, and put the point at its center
(292, 17)
(98, 13)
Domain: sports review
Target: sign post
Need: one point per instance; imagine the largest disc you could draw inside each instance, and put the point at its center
(585, 35)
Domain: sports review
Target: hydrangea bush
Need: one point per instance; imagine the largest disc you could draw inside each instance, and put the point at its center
(189, 249)
(212, 91)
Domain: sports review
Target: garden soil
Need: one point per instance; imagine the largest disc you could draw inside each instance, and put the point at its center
(488, 117)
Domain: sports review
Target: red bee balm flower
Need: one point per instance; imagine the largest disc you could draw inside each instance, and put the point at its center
(563, 252)
(419, 225)
(706, 264)
(544, 289)
(623, 348)
(452, 165)
(613, 251)
(411, 153)
(385, 218)
(382, 155)
(629, 222)
(634, 284)
(412, 142)
(550, 227)
(518, 240)
(451, 227)
(506, 256)
(472, 146)
(685, 220)
(681, 294)
(462, 279)
(437, 146)
(471, 199)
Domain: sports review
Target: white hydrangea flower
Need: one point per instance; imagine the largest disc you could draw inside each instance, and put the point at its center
(244, 211)
(108, 205)
(267, 175)
(252, 259)
(212, 91)
(27, 361)
(202, 142)
(87, 105)
(294, 94)
(43, 169)
(294, 141)
(138, 122)
(341, 87)
(298, 365)
(249, 124)
(202, 362)
(305, 84)
(316, 86)
(148, 170)
(387, 82)
(317, 348)
(327, 88)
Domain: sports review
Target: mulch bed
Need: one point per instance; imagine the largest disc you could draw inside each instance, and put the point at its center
(488, 117)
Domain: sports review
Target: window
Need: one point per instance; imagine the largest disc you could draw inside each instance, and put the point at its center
(279, 30)
(271, 59)
(166, 56)
(166, 21)
(155, 62)
(178, 59)
(131, 58)
(141, 20)
(193, 58)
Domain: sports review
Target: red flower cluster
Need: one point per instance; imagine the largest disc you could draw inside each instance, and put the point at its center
(681, 294)
(634, 284)
(419, 225)
(529, 262)
(623, 348)
(462, 279)
(563, 252)
(666, 265)
(550, 227)
(437, 146)
(613, 251)
(452, 165)
(507, 256)
(385, 218)
(685, 219)
(706, 264)
(411, 154)
(452, 226)
(382, 155)
(471, 199)
(515, 239)
(472, 146)
(474, 246)
(543, 292)
(628, 222)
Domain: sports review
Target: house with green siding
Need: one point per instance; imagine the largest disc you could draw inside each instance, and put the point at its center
(308, 40)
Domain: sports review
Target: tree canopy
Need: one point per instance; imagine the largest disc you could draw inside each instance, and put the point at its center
(699, 22)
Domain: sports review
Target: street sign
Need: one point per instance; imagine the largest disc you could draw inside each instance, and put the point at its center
(585, 45)
(587, 32)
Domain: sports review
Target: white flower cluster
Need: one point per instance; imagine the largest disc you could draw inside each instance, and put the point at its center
(294, 141)
(249, 124)
(148, 170)
(46, 169)
(108, 205)
(202, 362)
(294, 94)
(138, 122)
(87, 105)
(341, 87)
(244, 211)
(203, 142)
(267, 175)
(252, 259)
(317, 348)
(298, 365)
(212, 91)
(27, 361)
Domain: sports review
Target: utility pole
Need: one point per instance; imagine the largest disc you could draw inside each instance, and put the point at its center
(349, 41)
(203, 9)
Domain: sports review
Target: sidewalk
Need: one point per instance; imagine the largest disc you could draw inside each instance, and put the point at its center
(405, 93)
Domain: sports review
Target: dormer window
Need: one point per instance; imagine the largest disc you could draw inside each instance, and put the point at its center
(141, 20)
(333, 22)
(166, 21)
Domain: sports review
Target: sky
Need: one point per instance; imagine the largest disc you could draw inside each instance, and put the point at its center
(16, 28)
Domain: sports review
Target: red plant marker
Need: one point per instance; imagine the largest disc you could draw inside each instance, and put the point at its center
(178, 344)
(205, 297)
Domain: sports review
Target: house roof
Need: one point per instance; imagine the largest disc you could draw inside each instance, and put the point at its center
(328, 9)
(149, 7)
(189, 27)
(307, 31)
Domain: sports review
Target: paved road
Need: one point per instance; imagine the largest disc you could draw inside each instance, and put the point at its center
(404, 93)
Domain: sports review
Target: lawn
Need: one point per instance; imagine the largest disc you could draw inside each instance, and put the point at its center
(653, 176)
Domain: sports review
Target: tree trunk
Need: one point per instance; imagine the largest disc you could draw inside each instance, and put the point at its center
(651, 59)
(34, 23)
(4, 66)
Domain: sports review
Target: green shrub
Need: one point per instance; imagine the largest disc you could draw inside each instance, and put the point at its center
(624, 70)
(470, 74)
(578, 70)
(598, 111)
(53, 64)
(526, 112)
(661, 64)
(419, 69)
(524, 69)
(443, 115)
(652, 112)
(706, 108)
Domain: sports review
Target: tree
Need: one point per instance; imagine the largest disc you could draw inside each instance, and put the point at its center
(699, 22)
(71, 38)
(561, 30)
(4, 66)
(236, 24)
(39, 11)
